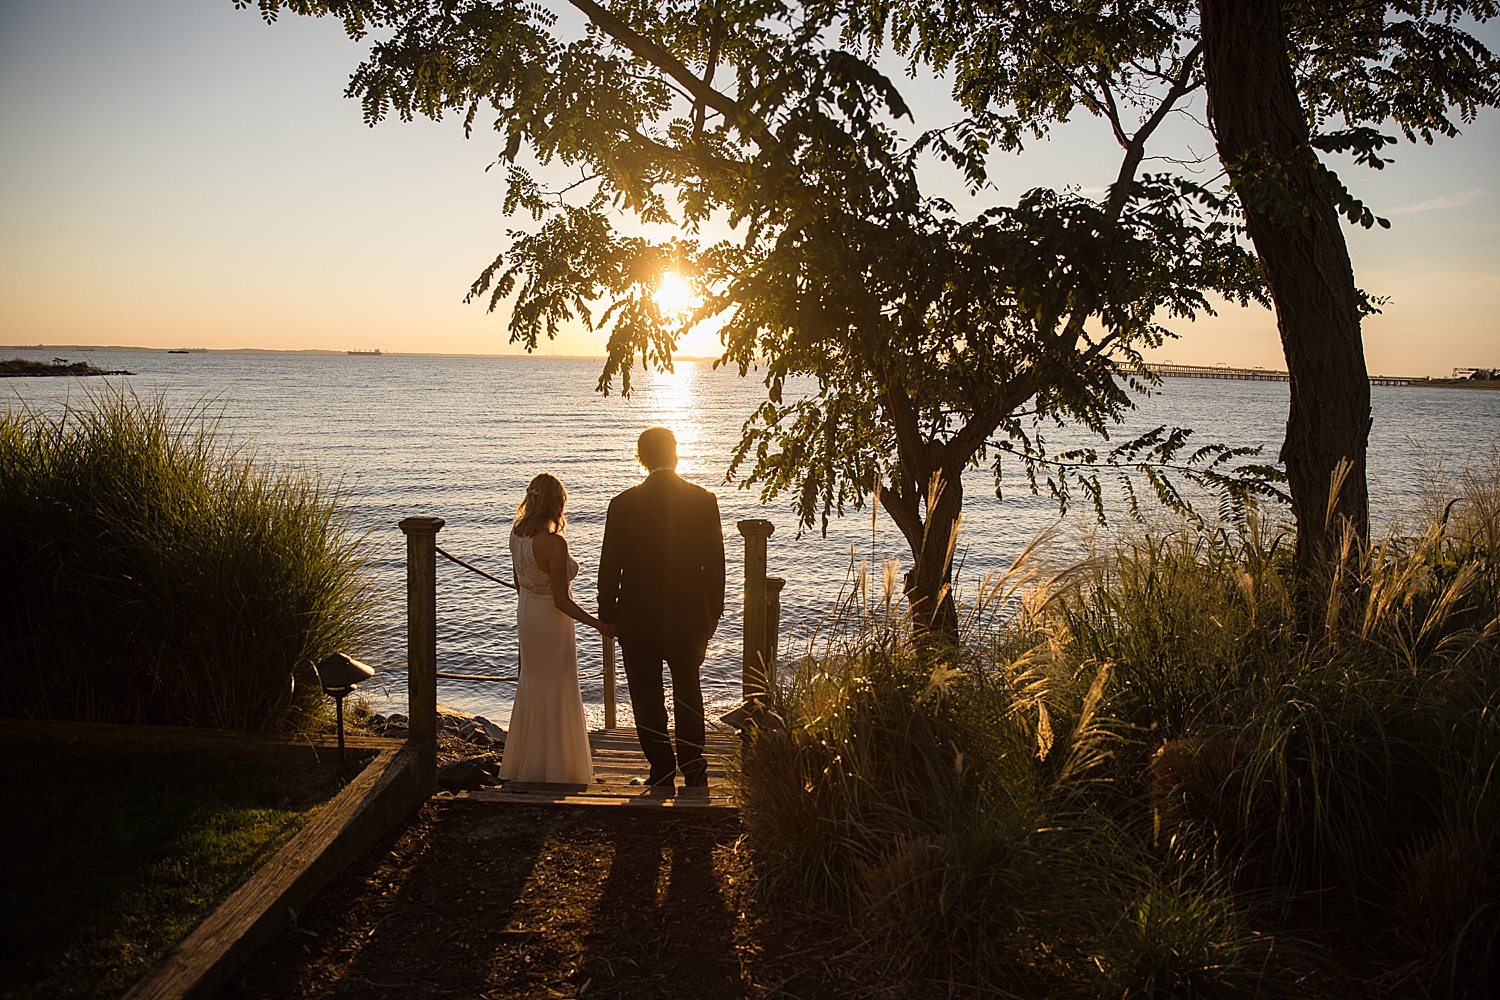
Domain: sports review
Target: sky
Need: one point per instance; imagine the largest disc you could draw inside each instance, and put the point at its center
(177, 173)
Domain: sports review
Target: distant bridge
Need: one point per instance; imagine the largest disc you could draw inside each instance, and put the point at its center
(1258, 374)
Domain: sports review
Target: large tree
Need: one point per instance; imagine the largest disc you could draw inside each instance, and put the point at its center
(934, 341)
(1284, 82)
(1274, 75)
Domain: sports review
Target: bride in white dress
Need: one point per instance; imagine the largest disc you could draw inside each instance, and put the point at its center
(548, 739)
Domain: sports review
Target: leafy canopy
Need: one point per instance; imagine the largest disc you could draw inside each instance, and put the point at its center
(935, 342)
(1360, 67)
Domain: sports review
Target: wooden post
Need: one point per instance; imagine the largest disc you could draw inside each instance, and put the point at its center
(421, 640)
(773, 628)
(609, 682)
(753, 668)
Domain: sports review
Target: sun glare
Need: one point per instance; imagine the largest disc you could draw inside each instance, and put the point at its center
(673, 295)
(672, 400)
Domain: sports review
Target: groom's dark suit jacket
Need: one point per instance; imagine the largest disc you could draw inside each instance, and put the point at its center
(661, 570)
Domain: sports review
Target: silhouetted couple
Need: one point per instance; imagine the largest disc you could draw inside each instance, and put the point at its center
(661, 592)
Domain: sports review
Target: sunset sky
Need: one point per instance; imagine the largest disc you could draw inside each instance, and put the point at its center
(176, 173)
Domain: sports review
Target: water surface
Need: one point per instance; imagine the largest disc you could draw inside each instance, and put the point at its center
(460, 437)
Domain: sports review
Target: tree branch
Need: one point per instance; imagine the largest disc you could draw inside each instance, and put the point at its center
(903, 508)
(695, 159)
(1135, 147)
(978, 428)
(1112, 112)
(669, 64)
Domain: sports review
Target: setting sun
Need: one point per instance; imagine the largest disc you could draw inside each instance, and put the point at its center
(673, 295)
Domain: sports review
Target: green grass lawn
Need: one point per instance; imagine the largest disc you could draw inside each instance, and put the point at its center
(111, 856)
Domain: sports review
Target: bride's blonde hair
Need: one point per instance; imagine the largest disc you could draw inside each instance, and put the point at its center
(542, 510)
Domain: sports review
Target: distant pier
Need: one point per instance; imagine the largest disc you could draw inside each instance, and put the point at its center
(1260, 374)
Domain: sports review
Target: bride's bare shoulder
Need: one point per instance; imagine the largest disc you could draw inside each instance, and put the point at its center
(548, 543)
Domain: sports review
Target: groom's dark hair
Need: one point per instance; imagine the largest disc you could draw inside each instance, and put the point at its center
(657, 448)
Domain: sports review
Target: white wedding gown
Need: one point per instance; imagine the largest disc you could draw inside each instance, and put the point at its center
(548, 739)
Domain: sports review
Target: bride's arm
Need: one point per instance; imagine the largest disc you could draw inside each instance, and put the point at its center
(552, 555)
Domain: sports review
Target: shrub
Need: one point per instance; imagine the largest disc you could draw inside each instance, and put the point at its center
(1089, 790)
(1181, 938)
(156, 574)
(945, 798)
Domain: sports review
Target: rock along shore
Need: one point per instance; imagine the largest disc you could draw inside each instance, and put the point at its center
(468, 747)
(22, 368)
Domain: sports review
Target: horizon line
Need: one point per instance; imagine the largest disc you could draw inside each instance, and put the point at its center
(525, 355)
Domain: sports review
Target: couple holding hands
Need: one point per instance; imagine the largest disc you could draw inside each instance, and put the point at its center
(661, 593)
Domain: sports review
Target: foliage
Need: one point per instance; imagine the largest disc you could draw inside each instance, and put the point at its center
(1138, 776)
(158, 575)
(1024, 68)
(935, 342)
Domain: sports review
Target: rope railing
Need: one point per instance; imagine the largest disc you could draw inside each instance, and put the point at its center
(583, 676)
(453, 558)
(475, 569)
(607, 674)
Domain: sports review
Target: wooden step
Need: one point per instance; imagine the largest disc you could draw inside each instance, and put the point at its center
(617, 758)
(602, 795)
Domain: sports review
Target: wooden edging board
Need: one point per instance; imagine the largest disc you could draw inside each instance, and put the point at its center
(26, 730)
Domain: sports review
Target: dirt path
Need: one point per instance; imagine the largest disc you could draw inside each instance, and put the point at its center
(476, 899)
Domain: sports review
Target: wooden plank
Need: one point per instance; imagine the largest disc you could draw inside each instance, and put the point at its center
(378, 798)
(718, 743)
(598, 788)
(590, 800)
(617, 759)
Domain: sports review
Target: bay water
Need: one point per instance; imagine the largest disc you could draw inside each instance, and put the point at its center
(459, 438)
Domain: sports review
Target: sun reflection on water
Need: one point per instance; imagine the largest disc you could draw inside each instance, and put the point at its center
(676, 403)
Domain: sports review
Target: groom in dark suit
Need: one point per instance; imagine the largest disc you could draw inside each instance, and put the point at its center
(661, 585)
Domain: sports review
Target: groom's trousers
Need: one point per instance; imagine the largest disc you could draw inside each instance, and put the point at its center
(643, 671)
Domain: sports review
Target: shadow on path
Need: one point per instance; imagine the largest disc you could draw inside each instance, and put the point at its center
(478, 899)
(663, 898)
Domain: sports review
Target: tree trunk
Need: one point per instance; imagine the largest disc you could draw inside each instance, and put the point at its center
(930, 535)
(1258, 119)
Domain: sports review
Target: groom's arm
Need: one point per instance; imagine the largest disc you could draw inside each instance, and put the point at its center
(713, 561)
(609, 567)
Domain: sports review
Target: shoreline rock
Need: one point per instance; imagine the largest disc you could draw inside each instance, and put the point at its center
(475, 729)
(22, 368)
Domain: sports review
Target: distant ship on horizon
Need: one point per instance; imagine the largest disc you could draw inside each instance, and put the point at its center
(373, 354)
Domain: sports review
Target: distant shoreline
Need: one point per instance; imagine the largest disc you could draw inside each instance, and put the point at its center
(1460, 383)
(121, 349)
(23, 368)
(1432, 382)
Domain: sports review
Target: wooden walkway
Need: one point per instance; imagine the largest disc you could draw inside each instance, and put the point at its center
(1263, 374)
(618, 759)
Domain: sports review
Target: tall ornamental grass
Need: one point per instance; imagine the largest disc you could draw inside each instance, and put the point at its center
(1169, 770)
(155, 573)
